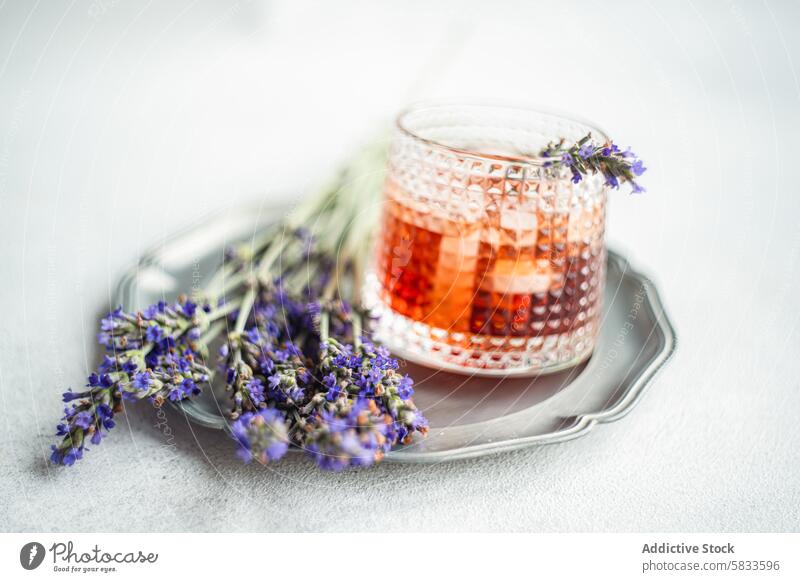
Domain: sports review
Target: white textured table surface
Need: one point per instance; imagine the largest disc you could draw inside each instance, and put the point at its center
(123, 121)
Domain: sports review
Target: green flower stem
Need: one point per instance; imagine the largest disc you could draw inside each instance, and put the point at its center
(324, 326)
(224, 278)
(357, 329)
(244, 308)
(212, 332)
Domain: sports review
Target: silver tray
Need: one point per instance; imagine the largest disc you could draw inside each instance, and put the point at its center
(469, 416)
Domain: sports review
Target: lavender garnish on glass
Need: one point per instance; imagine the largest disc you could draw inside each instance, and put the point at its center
(586, 156)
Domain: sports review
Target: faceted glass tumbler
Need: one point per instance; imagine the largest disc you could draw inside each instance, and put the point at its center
(489, 260)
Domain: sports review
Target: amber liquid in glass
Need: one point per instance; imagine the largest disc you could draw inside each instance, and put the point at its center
(510, 272)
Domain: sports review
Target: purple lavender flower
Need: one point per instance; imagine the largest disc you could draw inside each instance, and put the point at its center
(638, 168)
(142, 380)
(405, 388)
(66, 456)
(255, 391)
(82, 419)
(185, 389)
(261, 435)
(353, 434)
(189, 308)
(154, 333)
(375, 375)
(154, 310)
(253, 335)
(112, 321)
(70, 396)
(266, 365)
(106, 416)
(329, 381)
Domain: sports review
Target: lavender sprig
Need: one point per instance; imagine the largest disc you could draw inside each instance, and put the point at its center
(586, 156)
(152, 354)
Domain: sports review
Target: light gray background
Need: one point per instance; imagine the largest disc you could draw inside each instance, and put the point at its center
(123, 121)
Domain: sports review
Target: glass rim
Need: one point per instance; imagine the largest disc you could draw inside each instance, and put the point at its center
(532, 160)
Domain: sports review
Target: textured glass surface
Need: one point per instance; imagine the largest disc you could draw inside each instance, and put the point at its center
(487, 259)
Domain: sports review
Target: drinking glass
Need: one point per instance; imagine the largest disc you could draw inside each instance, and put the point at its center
(489, 259)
